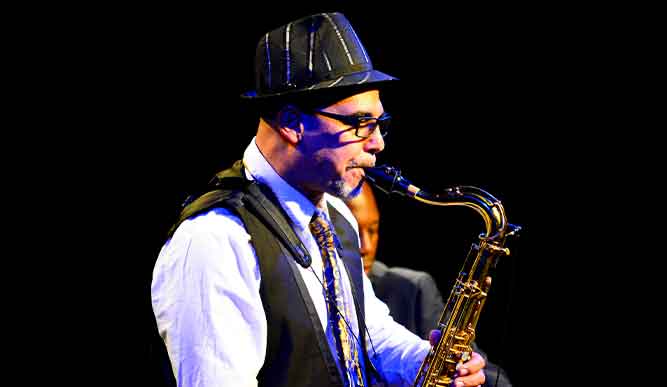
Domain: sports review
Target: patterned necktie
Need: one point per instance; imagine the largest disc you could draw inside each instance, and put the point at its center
(345, 344)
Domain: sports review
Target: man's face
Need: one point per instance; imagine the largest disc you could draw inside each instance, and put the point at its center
(333, 155)
(369, 227)
(365, 210)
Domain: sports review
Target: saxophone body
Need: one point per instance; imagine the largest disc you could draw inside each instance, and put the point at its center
(466, 299)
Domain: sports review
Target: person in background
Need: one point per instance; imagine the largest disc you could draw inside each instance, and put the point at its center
(412, 296)
(260, 281)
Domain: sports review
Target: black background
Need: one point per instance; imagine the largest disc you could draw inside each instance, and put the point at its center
(515, 100)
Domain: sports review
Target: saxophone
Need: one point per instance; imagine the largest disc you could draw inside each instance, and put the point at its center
(464, 305)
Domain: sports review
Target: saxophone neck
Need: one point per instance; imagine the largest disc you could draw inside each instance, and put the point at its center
(389, 180)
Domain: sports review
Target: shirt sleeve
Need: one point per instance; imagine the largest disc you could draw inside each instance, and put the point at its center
(205, 297)
(395, 351)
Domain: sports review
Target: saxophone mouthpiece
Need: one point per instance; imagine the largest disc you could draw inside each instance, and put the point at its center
(388, 179)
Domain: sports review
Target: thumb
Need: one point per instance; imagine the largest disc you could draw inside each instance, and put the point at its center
(434, 336)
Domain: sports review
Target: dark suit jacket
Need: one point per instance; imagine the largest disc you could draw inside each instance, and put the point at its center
(415, 302)
(412, 296)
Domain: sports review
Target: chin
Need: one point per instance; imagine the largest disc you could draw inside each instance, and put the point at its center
(345, 191)
(367, 266)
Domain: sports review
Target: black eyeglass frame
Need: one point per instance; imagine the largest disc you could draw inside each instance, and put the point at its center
(360, 122)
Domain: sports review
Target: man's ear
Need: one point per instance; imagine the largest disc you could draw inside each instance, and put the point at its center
(290, 124)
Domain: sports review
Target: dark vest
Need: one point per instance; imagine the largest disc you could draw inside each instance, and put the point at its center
(297, 350)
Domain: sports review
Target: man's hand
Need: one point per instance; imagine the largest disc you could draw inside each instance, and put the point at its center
(470, 373)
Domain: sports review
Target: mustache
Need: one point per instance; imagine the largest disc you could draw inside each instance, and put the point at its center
(358, 164)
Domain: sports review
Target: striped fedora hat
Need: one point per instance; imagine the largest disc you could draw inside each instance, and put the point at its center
(314, 53)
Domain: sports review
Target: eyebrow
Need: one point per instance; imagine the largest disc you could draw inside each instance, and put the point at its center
(362, 113)
(358, 113)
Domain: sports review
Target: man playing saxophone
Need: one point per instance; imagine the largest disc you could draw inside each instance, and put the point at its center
(260, 282)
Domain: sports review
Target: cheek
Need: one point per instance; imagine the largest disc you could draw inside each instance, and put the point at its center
(324, 162)
(335, 160)
(351, 155)
(374, 242)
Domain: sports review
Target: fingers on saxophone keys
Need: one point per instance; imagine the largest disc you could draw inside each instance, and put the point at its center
(463, 372)
(470, 373)
(476, 379)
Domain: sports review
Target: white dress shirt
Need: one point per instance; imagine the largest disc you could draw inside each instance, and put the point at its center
(206, 300)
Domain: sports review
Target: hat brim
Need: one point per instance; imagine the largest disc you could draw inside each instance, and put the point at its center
(362, 80)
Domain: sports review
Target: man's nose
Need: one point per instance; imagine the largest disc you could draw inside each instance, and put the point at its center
(375, 143)
(365, 243)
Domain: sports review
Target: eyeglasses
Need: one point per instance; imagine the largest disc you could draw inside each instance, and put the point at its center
(364, 125)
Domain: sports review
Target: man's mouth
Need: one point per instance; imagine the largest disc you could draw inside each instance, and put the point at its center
(355, 166)
(359, 170)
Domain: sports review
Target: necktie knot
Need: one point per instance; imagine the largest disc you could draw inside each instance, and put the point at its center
(321, 229)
